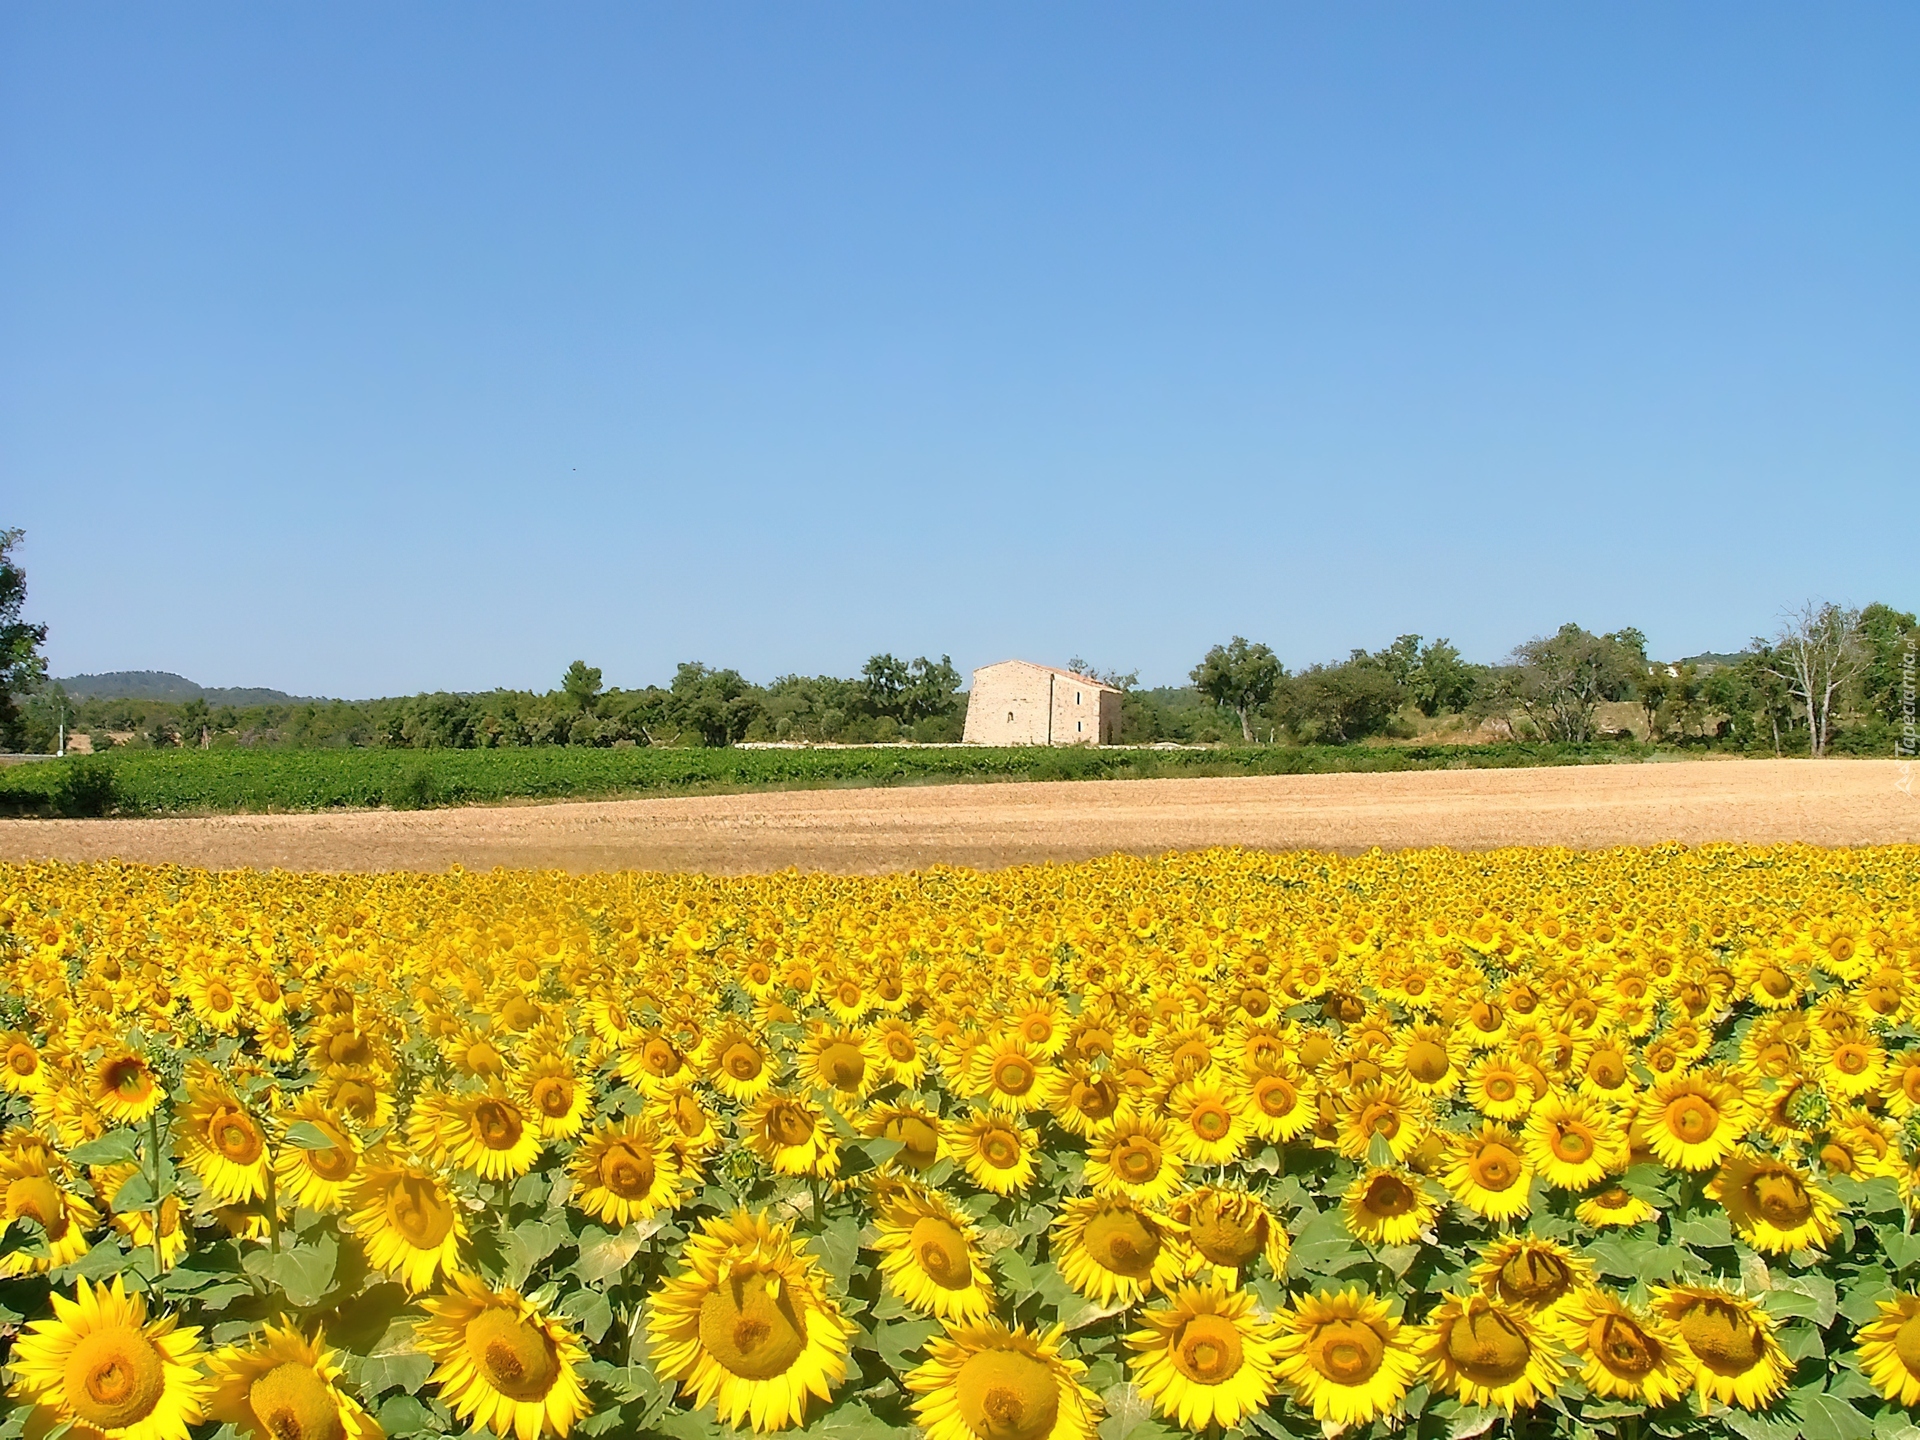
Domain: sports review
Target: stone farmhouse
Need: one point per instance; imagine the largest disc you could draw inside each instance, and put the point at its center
(1019, 703)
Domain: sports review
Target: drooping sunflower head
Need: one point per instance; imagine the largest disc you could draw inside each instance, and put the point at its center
(988, 1382)
(489, 1134)
(500, 1362)
(624, 1172)
(1345, 1355)
(1613, 1207)
(1228, 1230)
(1532, 1273)
(1625, 1354)
(916, 1128)
(282, 1386)
(1113, 1249)
(1776, 1207)
(748, 1325)
(1491, 1354)
(792, 1135)
(1206, 1358)
(1489, 1175)
(98, 1363)
(316, 1176)
(408, 1219)
(1386, 1206)
(1732, 1343)
(930, 1256)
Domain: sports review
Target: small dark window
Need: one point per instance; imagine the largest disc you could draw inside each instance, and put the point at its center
(1076, 697)
(1009, 717)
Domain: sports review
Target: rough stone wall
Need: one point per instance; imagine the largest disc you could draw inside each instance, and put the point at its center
(1009, 705)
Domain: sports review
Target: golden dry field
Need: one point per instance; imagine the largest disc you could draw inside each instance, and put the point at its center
(879, 830)
(1534, 1141)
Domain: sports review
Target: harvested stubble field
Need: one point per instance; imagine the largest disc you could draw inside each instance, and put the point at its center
(1830, 802)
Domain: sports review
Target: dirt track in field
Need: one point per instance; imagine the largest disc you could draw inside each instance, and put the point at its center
(1832, 802)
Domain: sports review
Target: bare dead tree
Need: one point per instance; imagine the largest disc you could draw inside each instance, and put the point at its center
(1816, 654)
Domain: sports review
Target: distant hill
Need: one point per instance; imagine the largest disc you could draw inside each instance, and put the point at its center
(1711, 660)
(165, 685)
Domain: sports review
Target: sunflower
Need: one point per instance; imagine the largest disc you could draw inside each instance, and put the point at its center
(623, 1172)
(281, 1386)
(1573, 1144)
(1851, 1065)
(1389, 1109)
(1888, 1348)
(320, 1179)
(1625, 1354)
(1011, 1077)
(1345, 1356)
(987, 1382)
(1614, 1206)
(1205, 1358)
(23, 1070)
(996, 1152)
(1500, 1088)
(1532, 1273)
(553, 1094)
(1387, 1207)
(916, 1128)
(1206, 1124)
(98, 1365)
(500, 1362)
(1776, 1207)
(1278, 1105)
(488, 1134)
(1731, 1340)
(1491, 1354)
(1488, 1175)
(839, 1060)
(1228, 1230)
(123, 1087)
(790, 1135)
(1426, 1056)
(930, 1256)
(408, 1220)
(1691, 1121)
(63, 1218)
(748, 1325)
(1113, 1250)
(744, 1066)
(1088, 1101)
(899, 1052)
(1132, 1159)
(224, 1145)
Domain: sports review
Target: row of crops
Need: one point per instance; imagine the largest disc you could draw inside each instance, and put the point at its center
(177, 781)
(1531, 1143)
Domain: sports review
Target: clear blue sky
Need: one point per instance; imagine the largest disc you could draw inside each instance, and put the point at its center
(364, 349)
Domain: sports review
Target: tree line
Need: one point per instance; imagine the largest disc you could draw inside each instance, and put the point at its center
(1830, 679)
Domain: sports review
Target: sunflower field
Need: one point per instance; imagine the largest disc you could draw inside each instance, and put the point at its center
(1535, 1142)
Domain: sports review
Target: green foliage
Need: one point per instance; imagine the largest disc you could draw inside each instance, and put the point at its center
(230, 780)
(22, 668)
(1559, 680)
(1239, 676)
(85, 787)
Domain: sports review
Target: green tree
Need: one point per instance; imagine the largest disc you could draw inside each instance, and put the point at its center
(581, 686)
(1559, 680)
(23, 669)
(1341, 703)
(1887, 637)
(1442, 683)
(1240, 677)
(1653, 688)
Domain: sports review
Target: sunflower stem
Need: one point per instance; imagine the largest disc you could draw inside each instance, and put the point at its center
(273, 1210)
(159, 1200)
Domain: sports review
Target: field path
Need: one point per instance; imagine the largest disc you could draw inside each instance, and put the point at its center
(1832, 802)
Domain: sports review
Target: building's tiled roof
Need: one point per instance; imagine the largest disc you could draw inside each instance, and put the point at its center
(1073, 675)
